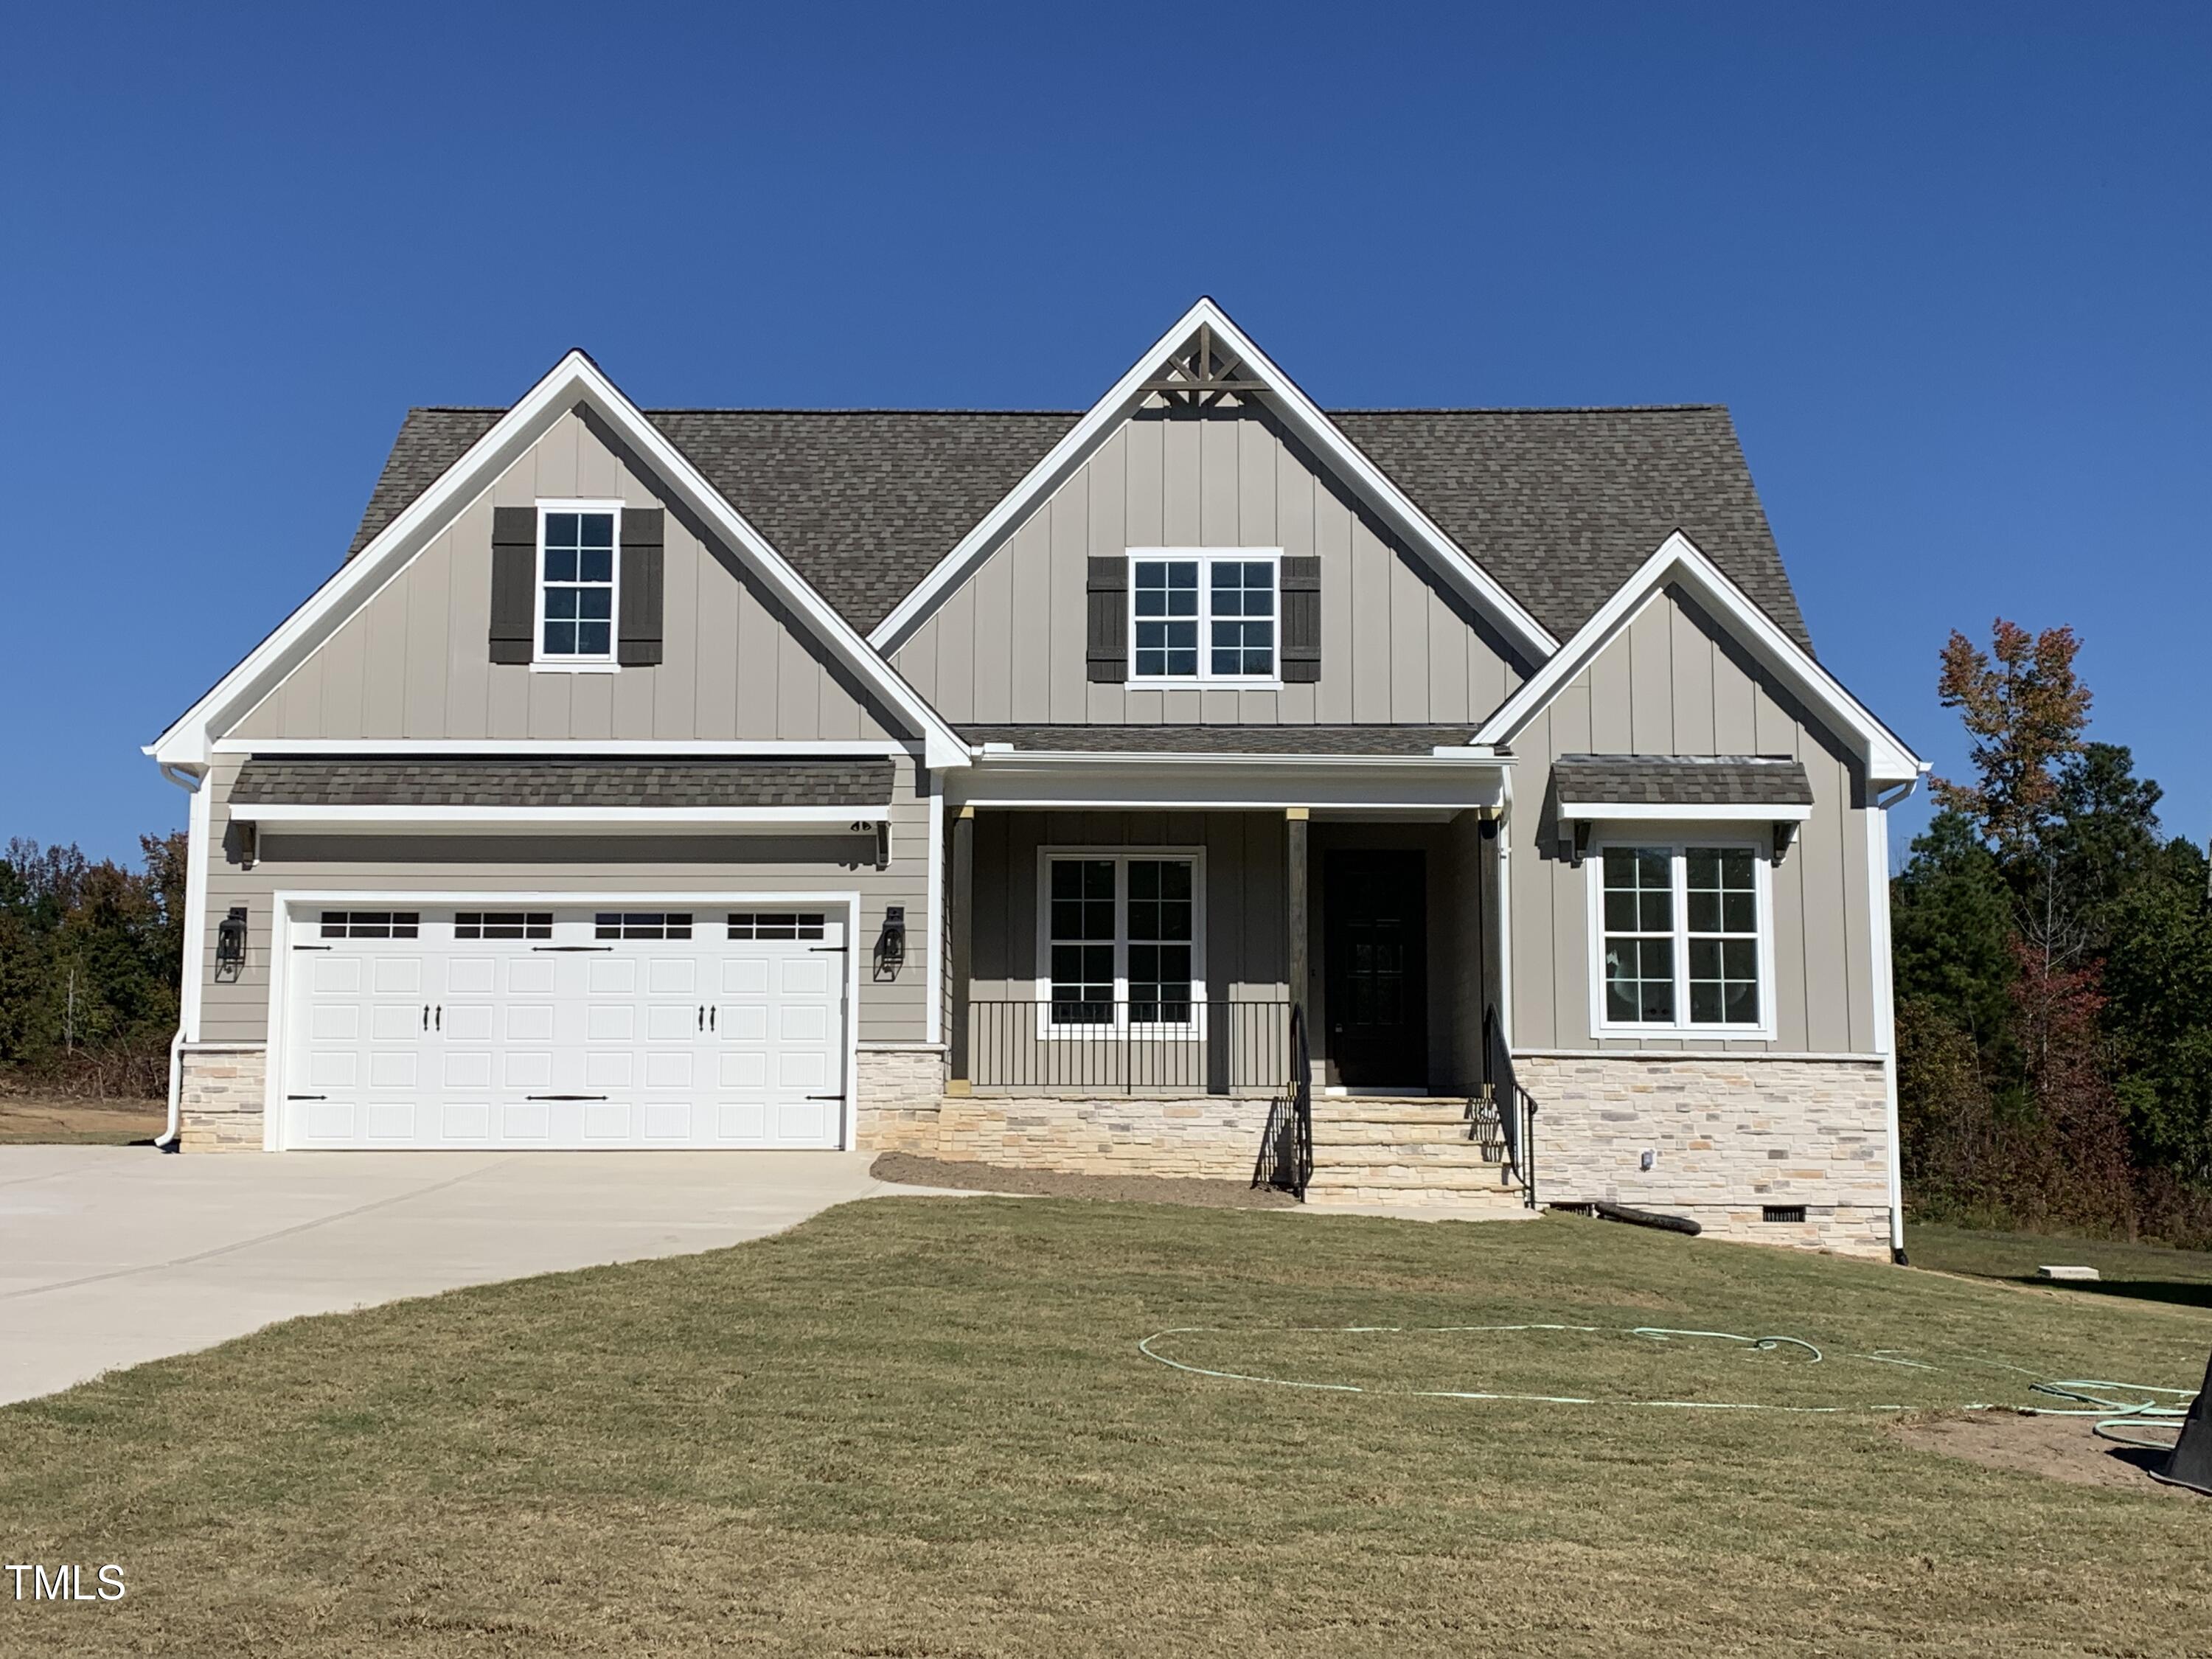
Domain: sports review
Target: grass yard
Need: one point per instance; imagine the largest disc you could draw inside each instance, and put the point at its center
(2149, 1271)
(922, 1426)
(61, 1120)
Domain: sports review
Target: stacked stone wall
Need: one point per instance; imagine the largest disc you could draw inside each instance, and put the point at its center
(219, 1098)
(898, 1093)
(1730, 1137)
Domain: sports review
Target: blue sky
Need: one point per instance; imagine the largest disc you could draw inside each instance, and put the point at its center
(1949, 266)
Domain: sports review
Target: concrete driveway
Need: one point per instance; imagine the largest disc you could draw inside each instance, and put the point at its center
(110, 1256)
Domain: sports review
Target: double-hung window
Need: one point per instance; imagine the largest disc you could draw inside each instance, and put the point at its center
(1683, 939)
(577, 574)
(1204, 617)
(1121, 940)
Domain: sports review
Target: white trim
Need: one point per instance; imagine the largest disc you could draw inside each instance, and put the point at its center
(1120, 853)
(934, 955)
(1297, 410)
(361, 819)
(1205, 558)
(1504, 844)
(192, 970)
(1783, 1055)
(1006, 757)
(1683, 1027)
(280, 922)
(1732, 812)
(574, 379)
(561, 748)
(1074, 782)
(1885, 1008)
(1679, 560)
(580, 662)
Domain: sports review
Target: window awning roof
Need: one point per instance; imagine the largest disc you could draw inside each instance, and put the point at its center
(1681, 786)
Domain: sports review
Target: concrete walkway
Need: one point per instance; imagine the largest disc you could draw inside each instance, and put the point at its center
(110, 1256)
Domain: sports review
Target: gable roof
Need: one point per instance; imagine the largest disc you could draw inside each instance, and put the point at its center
(1561, 505)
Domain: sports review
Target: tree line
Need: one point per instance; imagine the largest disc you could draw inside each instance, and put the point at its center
(90, 957)
(2053, 951)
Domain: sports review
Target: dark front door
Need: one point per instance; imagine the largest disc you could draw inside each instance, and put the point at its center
(1375, 945)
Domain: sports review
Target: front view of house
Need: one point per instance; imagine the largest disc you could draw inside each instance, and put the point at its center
(1436, 806)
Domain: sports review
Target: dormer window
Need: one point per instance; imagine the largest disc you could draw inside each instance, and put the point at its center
(1201, 617)
(576, 568)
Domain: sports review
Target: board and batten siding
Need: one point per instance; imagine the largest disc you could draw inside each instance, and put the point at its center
(414, 662)
(1008, 645)
(1673, 684)
(890, 1009)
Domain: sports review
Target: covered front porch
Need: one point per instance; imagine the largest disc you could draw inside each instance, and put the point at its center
(1265, 965)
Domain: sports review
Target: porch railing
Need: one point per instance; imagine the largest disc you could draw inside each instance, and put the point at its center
(1506, 1103)
(1220, 1046)
(1286, 1150)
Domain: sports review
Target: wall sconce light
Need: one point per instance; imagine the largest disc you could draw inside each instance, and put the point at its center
(230, 943)
(891, 943)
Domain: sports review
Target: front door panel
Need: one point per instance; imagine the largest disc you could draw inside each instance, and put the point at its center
(1374, 942)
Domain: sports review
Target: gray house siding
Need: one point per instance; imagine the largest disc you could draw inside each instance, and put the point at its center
(1673, 684)
(413, 662)
(1008, 645)
(890, 1009)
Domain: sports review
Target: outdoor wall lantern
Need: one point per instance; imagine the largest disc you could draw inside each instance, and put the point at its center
(891, 943)
(230, 943)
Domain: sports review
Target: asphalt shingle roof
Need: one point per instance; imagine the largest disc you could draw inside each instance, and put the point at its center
(1560, 505)
(464, 781)
(1676, 780)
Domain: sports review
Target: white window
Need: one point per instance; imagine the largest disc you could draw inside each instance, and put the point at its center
(1204, 617)
(1120, 937)
(1681, 938)
(578, 570)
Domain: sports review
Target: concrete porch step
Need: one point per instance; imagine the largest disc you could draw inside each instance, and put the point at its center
(1438, 1177)
(1441, 1203)
(1428, 1154)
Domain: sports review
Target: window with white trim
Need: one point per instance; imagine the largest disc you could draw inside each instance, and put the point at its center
(576, 577)
(1204, 617)
(1683, 938)
(1121, 940)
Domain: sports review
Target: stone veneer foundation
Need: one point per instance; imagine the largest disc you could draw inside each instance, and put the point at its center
(220, 1098)
(1733, 1134)
(897, 1091)
(1215, 1137)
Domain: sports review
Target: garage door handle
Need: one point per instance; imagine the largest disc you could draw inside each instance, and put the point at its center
(825, 1096)
(557, 948)
(564, 1097)
(307, 1097)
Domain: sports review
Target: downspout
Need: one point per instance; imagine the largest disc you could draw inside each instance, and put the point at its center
(1885, 1002)
(195, 926)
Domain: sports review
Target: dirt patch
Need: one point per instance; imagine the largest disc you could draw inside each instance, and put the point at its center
(48, 1120)
(2062, 1448)
(910, 1170)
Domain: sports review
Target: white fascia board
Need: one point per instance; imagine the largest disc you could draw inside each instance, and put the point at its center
(1299, 410)
(575, 379)
(291, 815)
(1678, 559)
(562, 748)
(1703, 812)
(1001, 758)
(1233, 789)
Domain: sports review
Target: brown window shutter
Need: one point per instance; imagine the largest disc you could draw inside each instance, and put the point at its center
(1300, 619)
(1108, 631)
(638, 630)
(514, 583)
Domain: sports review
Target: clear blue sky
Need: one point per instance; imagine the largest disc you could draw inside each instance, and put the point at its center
(1949, 265)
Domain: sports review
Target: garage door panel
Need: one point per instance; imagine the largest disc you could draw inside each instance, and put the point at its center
(438, 1038)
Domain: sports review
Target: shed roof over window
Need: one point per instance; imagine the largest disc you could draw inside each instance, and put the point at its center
(1755, 781)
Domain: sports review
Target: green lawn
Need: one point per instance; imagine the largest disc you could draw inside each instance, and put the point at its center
(2146, 1272)
(923, 1426)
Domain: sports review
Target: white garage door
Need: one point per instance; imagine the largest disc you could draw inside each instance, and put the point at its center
(434, 1027)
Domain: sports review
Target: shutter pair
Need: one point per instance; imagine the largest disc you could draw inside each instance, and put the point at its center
(1107, 627)
(515, 585)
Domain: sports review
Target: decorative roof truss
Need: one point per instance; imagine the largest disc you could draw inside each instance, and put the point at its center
(1201, 374)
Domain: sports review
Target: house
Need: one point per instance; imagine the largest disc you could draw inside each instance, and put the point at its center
(1425, 805)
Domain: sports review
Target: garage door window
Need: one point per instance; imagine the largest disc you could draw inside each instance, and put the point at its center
(775, 924)
(504, 923)
(644, 924)
(371, 924)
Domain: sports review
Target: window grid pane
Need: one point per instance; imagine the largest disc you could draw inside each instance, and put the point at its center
(577, 602)
(1721, 911)
(1161, 917)
(1082, 941)
(1236, 623)
(1639, 935)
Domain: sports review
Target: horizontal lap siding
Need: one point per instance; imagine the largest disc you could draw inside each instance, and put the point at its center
(1008, 645)
(1673, 684)
(891, 1011)
(414, 662)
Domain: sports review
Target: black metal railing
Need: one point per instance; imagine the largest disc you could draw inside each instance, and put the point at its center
(1504, 1103)
(1216, 1047)
(1286, 1150)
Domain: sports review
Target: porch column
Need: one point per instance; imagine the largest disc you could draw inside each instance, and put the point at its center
(960, 906)
(1294, 874)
